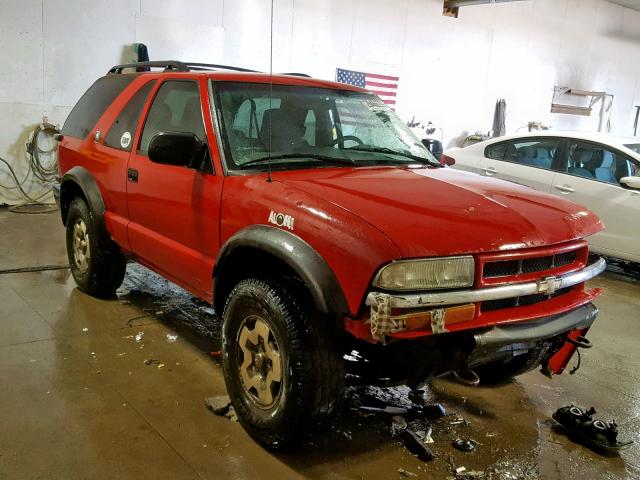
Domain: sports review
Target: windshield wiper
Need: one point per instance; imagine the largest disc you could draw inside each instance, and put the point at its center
(315, 156)
(368, 148)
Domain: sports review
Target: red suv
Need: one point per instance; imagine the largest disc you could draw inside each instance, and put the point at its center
(319, 226)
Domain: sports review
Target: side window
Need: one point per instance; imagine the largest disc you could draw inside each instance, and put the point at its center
(496, 152)
(176, 108)
(595, 161)
(121, 133)
(531, 152)
(93, 103)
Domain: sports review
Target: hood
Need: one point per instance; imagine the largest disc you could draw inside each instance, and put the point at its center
(434, 212)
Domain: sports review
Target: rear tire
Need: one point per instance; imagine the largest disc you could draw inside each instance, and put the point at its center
(96, 270)
(282, 369)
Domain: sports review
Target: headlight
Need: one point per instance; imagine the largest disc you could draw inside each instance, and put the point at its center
(427, 274)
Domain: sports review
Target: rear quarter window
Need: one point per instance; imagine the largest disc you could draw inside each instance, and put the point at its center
(121, 133)
(93, 104)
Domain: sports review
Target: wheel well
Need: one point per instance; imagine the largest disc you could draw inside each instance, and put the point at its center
(68, 191)
(245, 262)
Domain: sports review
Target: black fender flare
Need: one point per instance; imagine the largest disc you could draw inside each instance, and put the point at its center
(80, 177)
(299, 256)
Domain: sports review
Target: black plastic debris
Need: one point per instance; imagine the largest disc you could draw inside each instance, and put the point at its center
(464, 445)
(415, 445)
(219, 404)
(386, 410)
(580, 425)
(435, 410)
(398, 424)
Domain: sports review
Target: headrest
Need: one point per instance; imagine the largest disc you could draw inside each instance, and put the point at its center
(607, 160)
(584, 156)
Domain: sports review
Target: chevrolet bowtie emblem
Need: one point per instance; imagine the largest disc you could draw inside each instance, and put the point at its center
(549, 285)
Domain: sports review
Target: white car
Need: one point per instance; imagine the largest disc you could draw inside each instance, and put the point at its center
(596, 170)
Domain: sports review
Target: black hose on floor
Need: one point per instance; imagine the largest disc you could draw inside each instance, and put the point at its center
(39, 268)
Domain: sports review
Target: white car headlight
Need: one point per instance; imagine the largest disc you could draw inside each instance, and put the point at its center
(427, 274)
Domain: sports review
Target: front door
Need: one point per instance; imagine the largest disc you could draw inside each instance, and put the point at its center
(174, 210)
(527, 161)
(591, 178)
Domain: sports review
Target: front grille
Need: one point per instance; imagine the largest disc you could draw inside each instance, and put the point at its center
(505, 268)
(521, 301)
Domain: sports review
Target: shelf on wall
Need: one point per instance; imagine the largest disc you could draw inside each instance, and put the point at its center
(558, 92)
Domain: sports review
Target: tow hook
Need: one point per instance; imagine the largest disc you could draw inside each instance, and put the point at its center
(580, 342)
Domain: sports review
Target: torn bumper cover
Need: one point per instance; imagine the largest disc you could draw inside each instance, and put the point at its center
(493, 339)
(383, 322)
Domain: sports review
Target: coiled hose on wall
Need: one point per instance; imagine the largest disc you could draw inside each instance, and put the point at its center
(43, 167)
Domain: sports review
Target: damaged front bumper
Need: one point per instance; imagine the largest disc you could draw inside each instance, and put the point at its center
(509, 338)
(383, 322)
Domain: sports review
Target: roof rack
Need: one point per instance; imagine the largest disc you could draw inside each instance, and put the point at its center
(295, 74)
(168, 65)
(176, 66)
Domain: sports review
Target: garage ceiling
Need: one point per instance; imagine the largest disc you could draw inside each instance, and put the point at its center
(634, 4)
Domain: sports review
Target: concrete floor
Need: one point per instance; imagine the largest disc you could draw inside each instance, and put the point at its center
(79, 401)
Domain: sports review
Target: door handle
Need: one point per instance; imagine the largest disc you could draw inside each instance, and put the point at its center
(132, 175)
(489, 171)
(565, 189)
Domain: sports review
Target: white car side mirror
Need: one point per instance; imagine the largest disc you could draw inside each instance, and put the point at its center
(631, 182)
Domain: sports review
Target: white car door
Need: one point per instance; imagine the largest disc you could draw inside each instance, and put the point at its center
(591, 179)
(527, 161)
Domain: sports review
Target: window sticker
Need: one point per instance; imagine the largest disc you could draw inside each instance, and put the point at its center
(125, 140)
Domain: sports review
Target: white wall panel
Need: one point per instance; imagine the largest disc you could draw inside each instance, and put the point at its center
(451, 70)
(247, 27)
(82, 40)
(179, 40)
(206, 12)
(21, 51)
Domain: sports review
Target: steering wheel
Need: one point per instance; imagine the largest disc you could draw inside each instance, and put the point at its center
(353, 138)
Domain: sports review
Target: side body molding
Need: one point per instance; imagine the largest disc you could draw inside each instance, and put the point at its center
(298, 255)
(80, 178)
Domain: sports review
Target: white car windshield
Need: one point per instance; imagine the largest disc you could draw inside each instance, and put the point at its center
(303, 127)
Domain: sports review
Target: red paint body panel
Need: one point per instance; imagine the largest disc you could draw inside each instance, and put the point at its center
(435, 212)
(176, 219)
(174, 216)
(353, 249)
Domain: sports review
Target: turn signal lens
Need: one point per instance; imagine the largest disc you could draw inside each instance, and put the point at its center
(427, 274)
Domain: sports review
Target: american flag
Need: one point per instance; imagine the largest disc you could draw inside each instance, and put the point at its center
(385, 86)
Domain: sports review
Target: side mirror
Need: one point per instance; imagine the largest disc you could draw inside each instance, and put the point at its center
(174, 148)
(631, 182)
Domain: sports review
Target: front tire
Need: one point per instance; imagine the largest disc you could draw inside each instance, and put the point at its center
(96, 270)
(282, 369)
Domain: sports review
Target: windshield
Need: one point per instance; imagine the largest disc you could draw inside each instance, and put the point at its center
(302, 127)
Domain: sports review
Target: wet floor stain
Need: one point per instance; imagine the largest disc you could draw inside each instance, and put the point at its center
(513, 435)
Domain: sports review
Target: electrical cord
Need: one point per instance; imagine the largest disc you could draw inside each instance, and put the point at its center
(44, 173)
